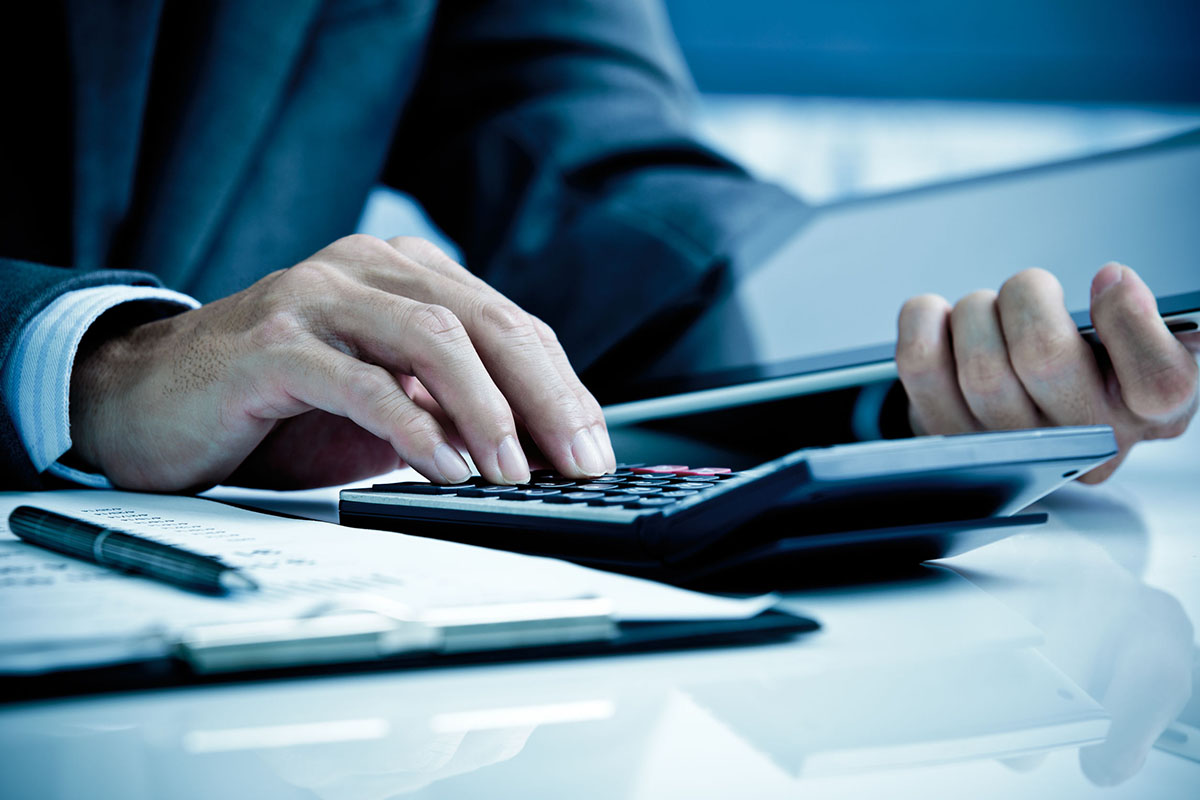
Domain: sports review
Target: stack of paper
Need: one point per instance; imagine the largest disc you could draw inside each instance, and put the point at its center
(62, 612)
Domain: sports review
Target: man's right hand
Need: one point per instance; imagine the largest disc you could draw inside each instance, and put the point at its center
(366, 356)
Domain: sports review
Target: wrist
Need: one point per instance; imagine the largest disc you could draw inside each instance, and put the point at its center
(115, 350)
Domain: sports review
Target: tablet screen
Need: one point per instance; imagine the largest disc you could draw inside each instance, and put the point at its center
(821, 312)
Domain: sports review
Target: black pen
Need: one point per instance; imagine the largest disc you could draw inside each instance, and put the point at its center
(126, 552)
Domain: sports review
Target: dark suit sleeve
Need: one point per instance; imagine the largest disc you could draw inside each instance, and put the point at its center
(29, 288)
(551, 142)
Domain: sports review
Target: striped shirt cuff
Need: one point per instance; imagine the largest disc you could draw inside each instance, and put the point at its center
(37, 376)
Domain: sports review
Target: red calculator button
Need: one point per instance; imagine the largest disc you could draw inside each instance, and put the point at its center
(662, 469)
(705, 471)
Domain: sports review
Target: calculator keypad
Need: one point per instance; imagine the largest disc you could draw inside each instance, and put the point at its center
(630, 486)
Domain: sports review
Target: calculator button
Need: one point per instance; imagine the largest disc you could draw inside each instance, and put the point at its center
(706, 471)
(417, 487)
(694, 479)
(559, 484)
(620, 473)
(654, 476)
(677, 493)
(677, 486)
(573, 497)
(486, 491)
(651, 484)
(661, 469)
(529, 494)
(642, 490)
(612, 500)
(650, 502)
(598, 487)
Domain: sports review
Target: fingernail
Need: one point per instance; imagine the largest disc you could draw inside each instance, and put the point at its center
(587, 454)
(450, 464)
(606, 449)
(513, 465)
(1108, 276)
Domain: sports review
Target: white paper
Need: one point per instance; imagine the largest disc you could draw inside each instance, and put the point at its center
(59, 610)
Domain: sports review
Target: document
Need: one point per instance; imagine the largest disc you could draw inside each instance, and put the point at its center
(60, 611)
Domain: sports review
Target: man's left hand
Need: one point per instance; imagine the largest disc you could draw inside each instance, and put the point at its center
(1015, 359)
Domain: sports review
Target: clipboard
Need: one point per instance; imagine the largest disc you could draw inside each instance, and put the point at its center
(397, 603)
(348, 641)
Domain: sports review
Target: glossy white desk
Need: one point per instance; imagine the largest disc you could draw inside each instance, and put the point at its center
(1040, 666)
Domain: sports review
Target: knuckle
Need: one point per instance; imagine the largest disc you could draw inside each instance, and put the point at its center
(1032, 282)
(563, 401)
(543, 330)
(1045, 353)
(313, 275)
(923, 305)
(979, 302)
(1165, 392)
(278, 328)
(405, 242)
(436, 322)
(361, 243)
(417, 247)
(917, 359)
(507, 320)
(591, 407)
(411, 418)
(1124, 308)
(375, 385)
(361, 249)
(385, 400)
(982, 376)
(271, 277)
(584, 405)
(919, 353)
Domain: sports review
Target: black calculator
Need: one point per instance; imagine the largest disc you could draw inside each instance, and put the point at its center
(649, 515)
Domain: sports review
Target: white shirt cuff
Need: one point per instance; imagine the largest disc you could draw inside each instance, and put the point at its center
(37, 375)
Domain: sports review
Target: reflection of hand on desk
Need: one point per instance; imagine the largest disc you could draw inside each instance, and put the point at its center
(408, 757)
(1126, 643)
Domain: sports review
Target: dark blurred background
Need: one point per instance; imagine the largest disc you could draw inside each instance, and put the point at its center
(1093, 50)
(841, 98)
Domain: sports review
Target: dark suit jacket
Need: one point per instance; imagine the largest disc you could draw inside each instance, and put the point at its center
(203, 145)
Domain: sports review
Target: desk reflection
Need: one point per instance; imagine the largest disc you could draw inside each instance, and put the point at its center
(947, 671)
(1127, 644)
